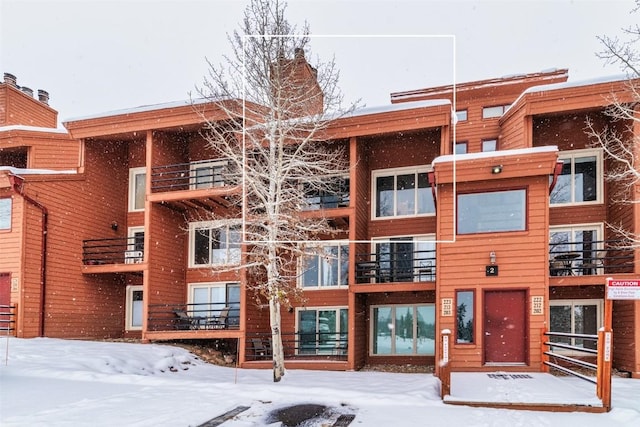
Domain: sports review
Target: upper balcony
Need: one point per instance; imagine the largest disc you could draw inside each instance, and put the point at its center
(590, 258)
(125, 254)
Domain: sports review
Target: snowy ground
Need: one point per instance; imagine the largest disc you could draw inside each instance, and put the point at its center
(49, 382)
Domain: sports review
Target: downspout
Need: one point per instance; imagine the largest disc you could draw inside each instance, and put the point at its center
(431, 176)
(17, 183)
(557, 170)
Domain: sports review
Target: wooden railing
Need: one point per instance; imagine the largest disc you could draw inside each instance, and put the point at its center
(8, 319)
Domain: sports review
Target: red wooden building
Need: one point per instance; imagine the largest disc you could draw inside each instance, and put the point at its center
(488, 219)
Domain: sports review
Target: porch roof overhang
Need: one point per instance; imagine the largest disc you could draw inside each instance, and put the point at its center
(516, 163)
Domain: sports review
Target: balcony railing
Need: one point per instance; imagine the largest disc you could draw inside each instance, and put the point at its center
(588, 258)
(299, 346)
(124, 250)
(396, 266)
(7, 319)
(189, 176)
(190, 317)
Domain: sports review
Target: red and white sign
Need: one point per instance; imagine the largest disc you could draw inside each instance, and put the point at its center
(627, 289)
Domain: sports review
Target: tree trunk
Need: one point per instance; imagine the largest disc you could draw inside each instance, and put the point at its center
(276, 338)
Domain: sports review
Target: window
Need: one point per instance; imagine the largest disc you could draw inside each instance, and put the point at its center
(135, 245)
(335, 195)
(329, 267)
(134, 304)
(464, 317)
(574, 250)
(460, 148)
(580, 180)
(207, 174)
(493, 112)
(575, 317)
(461, 115)
(206, 301)
(489, 145)
(402, 192)
(403, 330)
(137, 188)
(406, 259)
(214, 243)
(492, 211)
(5, 213)
(322, 330)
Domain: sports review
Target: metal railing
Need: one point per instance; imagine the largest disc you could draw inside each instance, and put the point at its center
(396, 266)
(186, 317)
(7, 318)
(298, 346)
(589, 258)
(189, 176)
(123, 250)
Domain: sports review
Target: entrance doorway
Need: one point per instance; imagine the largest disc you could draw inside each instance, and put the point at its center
(505, 331)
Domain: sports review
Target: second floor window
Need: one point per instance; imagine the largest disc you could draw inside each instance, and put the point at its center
(402, 192)
(335, 195)
(207, 174)
(489, 145)
(137, 188)
(329, 267)
(580, 180)
(214, 244)
(494, 211)
(460, 148)
(5, 213)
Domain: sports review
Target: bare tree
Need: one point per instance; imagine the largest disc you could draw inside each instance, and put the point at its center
(278, 107)
(619, 143)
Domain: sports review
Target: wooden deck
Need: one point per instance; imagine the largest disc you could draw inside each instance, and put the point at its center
(533, 391)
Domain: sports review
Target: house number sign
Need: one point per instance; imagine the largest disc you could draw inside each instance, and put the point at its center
(537, 305)
(447, 307)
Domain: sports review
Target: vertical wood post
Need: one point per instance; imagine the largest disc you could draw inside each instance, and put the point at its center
(445, 368)
(605, 356)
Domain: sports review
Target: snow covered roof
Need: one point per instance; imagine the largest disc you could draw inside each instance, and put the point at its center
(23, 171)
(490, 154)
(32, 129)
(398, 107)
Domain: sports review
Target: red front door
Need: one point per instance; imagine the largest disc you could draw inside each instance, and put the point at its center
(505, 331)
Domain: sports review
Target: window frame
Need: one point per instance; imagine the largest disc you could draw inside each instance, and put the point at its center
(525, 210)
(213, 312)
(9, 214)
(572, 155)
(129, 308)
(598, 302)
(492, 140)
(596, 227)
(473, 317)
(395, 172)
(133, 246)
(491, 111)
(324, 244)
(459, 113)
(342, 198)
(457, 144)
(133, 174)
(393, 353)
(215, 225)
(420, 238)
(341, 337)
(212, 165)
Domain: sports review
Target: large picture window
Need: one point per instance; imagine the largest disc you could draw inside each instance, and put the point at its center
(403, 330)
(329, 266)
(322, 330)
(5, 213)
(402, 192)
(137, 189)
(575, 317)
(580, 180)
(208, 300)
(492, 211)
(214, 243)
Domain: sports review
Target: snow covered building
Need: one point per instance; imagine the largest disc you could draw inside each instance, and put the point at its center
(485, 214)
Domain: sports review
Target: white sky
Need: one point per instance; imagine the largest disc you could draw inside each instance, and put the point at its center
(96, 56)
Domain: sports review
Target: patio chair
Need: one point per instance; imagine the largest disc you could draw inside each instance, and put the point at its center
(220, 321)
(260, 350)
(184, 321)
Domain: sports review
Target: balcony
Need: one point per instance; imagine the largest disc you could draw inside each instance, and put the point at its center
(333, 197)
(397, 265)
(216, 316)
(127, 252)
(299, 346)
(590, 258)
(189, 176)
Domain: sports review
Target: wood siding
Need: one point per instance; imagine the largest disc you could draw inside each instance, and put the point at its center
(18, 108)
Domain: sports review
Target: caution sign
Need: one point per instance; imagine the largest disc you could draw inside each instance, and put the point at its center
(624, 289)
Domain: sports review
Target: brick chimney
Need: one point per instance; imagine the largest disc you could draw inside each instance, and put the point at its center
(301, 80)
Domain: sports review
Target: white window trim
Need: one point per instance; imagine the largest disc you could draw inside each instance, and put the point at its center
(132, 256)
(322, 244)
(9, 213)
(193, 166)
(336, 308)
(210, 225)
(598, 302)
(415, 238)
(133, 172)
(129, 308)
(395, 172)
(415, 327)
(597, 152)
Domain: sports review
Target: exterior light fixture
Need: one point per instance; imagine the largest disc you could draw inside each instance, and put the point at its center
(492, 258)
(496, 169)
(114, 226)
